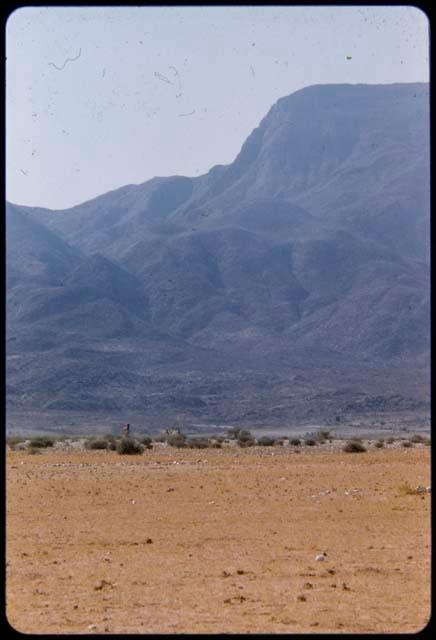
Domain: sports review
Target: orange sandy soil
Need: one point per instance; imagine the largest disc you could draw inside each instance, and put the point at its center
(234, 535)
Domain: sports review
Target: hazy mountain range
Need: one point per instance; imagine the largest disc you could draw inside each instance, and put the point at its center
(292, 283)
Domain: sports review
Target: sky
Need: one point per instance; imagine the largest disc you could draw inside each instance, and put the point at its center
(101, 97)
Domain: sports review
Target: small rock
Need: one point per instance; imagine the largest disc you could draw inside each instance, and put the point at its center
(345, 587)
(302, 598)
(321, 557)
(133, 501)
(92, 627)
(149, 541)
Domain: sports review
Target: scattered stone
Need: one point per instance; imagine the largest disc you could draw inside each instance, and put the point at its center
(240, 572)
(321, 557)
(308, 585)
(92, 627)
(226, 574)
(101, 584)
(149, 541)
(302, 598)
(345, 587)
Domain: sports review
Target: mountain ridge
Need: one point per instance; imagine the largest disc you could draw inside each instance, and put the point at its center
(313, 244)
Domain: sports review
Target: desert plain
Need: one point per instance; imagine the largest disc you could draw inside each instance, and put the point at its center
(218, 541)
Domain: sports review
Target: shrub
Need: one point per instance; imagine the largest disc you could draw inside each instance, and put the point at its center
(321, 436)
(176, 440)
(244, 435)
(379, 444)
(416, 438)
(296, 442)
(310, 442)
(245, 439)
(217, 445)
(266, 441)
(390, 440)
(407, 443)
(96, 443)
(112, 443)
(146, 441)
(13, 440)
(233, 433)
(128, 446)
(353, 446)
(247, 443)
(42, 442)
(198, 443)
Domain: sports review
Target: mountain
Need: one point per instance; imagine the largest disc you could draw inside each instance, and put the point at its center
(252, 293)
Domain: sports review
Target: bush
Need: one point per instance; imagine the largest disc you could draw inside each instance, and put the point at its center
(390, 440)
(407, 443)
(233, 433)
(247, 443)
(379, 444)
(42, 442)
(244, 435)
(353, 446)
(13, 440)
(416, 438)
(146, 441)
(321, 436)
(310, 442)
(198, 443)
(266, 441)
(245, 439)
(176, 440)
(96, 443)
(128, 446)
(296, 442)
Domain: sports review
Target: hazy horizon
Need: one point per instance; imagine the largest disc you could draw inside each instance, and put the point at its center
(119, 95)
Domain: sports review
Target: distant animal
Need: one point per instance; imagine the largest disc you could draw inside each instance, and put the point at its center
(126, 430)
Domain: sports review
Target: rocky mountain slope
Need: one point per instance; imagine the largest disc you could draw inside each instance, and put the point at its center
(297, 271)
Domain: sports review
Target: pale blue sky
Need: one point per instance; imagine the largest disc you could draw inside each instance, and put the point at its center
(97, 98)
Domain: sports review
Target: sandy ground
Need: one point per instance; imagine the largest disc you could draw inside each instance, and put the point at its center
(180, 541)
